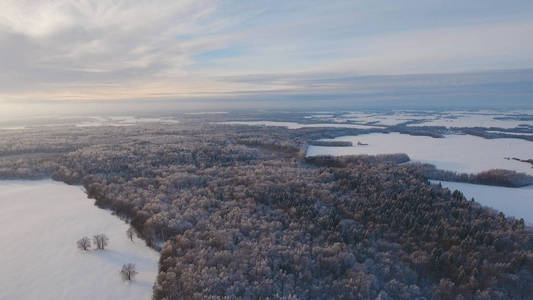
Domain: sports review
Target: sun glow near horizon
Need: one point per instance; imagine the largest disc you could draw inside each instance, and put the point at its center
(104, 50)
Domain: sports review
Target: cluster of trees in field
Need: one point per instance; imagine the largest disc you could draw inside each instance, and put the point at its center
(100, 242)
(240, 213)
(496, 177)
(128, 272)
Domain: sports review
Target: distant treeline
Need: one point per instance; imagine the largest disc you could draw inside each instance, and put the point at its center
(331, 143)
(343, 161)
(495, 177)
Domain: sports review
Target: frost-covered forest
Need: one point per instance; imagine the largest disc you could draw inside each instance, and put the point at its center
(239, 212)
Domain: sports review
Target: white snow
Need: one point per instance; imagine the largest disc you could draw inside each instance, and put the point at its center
(41, 222)
(463, 153)
(387, 119)
(457, 119)
(481, 118)
(510, 133)
(516, 202)
(295, 125)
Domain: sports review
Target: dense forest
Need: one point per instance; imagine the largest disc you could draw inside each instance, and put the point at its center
(495, 177)
(239, 212)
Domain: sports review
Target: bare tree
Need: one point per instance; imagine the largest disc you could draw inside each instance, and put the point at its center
(101, 241)
(128, 272)
(130, 233)
(84, 243)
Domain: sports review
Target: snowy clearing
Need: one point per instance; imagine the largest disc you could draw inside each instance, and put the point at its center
(41, 222)
(462, 153)
(479, 119)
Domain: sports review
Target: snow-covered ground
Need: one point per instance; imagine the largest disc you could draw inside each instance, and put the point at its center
(387, 119)
(463, 153)
(294, 125)
(376, 118)
(510, 133)
(479, 119)
(516, 202)
(40, 223)
(482, 118)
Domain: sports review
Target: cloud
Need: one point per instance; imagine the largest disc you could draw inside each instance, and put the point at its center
(180, 49)
(501, 83)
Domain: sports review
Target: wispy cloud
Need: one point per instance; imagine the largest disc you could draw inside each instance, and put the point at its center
(181, 49)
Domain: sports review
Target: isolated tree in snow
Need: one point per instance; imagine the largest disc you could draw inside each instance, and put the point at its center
(101, 241)
(128, 272)
(84, 243)
(130, 233)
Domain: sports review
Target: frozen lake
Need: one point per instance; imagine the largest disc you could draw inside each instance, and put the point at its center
(41, 222)
(481, 118)
(462, 153)
(516, 202)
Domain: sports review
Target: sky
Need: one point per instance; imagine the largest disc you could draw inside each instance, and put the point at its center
(380, 50)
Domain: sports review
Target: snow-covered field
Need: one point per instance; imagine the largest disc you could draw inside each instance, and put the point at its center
(40, 223)
(510, 133)
(387, 119)
(376, 118)
(482, 118)
(473, 120)
(463, 153)
(516, 202)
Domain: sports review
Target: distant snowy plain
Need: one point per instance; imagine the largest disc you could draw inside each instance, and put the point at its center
(41, 222)
(295, 125)
(449, 119)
